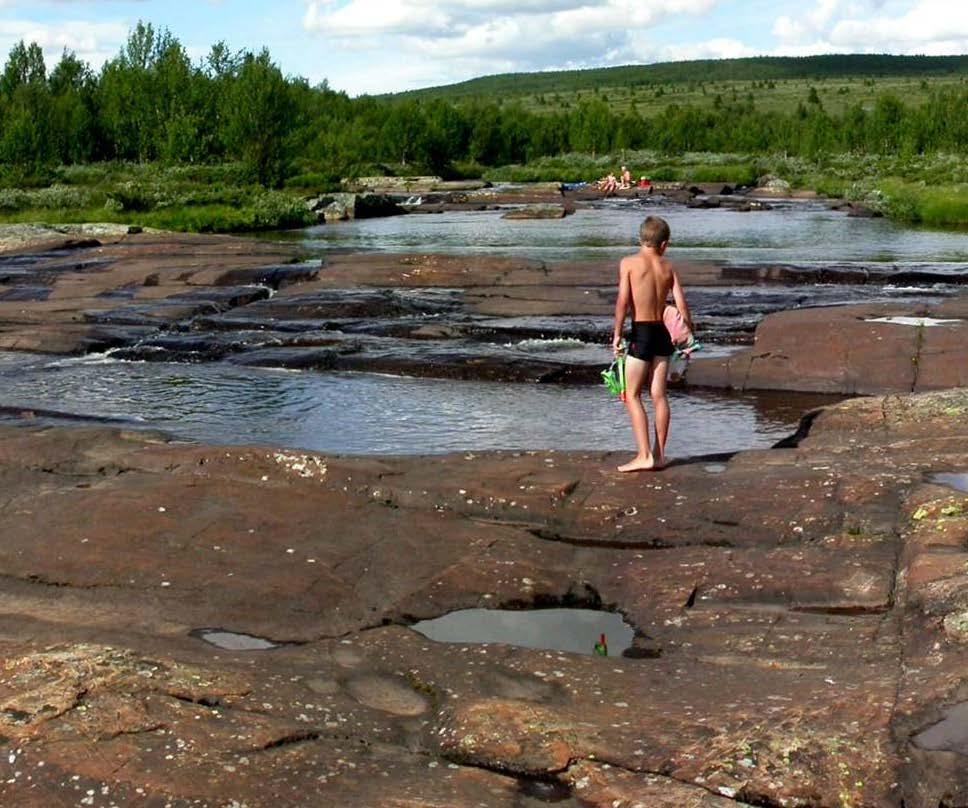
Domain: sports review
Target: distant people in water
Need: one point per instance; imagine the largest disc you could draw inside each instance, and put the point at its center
(644, 182)
(626, 178)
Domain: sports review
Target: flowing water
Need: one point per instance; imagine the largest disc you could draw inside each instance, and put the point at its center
(361, 413)
(804, 234)
(376, 414)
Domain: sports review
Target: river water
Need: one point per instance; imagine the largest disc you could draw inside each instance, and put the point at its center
(797, 233)
(362, 413)
(377, 414)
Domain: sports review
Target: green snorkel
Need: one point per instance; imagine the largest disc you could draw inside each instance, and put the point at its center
(614, 376)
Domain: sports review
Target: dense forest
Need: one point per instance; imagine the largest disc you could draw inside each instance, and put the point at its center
(152, 103)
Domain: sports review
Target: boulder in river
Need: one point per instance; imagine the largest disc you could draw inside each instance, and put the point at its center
(537, 212)
(347, 206)
(770, 185)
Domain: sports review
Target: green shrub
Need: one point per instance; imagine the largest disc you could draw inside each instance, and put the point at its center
(12, 199)
(938, 206)
(735, 173)
(134, 196)
(276, 209)
(54, 197)
(467, 170)
(61, 196)
(314, 180)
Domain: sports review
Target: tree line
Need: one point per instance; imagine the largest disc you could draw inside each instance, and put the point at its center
(151, 103)
(705, 71)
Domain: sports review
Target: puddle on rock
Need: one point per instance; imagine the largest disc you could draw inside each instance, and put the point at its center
(917, 322)
(574, 630)
(714, 468)
(953, 479)
(950, 734)
(231, 641)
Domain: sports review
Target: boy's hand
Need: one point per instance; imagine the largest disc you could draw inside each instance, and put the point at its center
(617, 346)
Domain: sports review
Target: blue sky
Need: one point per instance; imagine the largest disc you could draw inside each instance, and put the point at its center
(388, 45)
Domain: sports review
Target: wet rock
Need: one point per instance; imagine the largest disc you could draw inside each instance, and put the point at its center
(479, 311)
(537, 212)
(274, 277)
(703, 202)
(140, 270)
(858, 211)
(345, 206)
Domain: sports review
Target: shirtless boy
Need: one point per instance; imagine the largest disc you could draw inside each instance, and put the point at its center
(644, 282)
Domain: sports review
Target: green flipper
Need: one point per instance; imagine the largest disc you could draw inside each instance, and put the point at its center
(614, 377)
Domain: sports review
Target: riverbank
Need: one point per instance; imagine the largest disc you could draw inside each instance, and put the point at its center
(798, 617)
(926, 189)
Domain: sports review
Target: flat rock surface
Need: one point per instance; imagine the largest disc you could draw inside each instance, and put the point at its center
(796, 611)
(867, 348)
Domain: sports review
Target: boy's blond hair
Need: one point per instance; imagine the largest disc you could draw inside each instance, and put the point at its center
(654, 231)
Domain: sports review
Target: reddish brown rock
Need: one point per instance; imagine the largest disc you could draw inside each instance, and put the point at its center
(845, 350)
(797, 615)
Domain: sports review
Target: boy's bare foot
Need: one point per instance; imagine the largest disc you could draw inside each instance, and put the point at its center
(639, 463)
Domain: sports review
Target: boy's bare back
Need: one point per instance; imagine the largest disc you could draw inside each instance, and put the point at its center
(650, 280)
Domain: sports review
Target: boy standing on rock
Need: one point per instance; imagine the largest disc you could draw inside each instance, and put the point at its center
(644, 282)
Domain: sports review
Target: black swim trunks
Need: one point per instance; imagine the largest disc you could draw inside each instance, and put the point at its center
(650, 339)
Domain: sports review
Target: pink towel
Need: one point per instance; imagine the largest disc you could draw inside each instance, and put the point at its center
(676, 326)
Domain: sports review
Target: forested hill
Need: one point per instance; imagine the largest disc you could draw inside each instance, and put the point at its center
(758, 68)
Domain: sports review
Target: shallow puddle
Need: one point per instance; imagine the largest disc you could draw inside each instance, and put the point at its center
(917, 322)
(714, 468)
(231, 641)
(575, 630)
(953, 479)
(950, 734)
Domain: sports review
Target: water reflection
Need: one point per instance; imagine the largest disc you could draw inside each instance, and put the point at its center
(575, 630)
(953, 479)
(358, 413)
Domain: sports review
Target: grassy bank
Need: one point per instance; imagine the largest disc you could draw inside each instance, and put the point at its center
(213, 198)
(929, 190)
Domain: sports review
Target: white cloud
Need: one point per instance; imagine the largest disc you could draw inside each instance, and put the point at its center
(459, 39)
(869, 26)
(93, 42)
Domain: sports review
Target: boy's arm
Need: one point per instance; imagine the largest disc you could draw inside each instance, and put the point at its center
(621, 305)
(680, 299)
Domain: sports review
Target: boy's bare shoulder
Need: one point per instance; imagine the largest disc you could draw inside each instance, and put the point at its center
(632, 261)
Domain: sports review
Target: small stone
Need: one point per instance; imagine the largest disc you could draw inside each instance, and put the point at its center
(956, 626)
